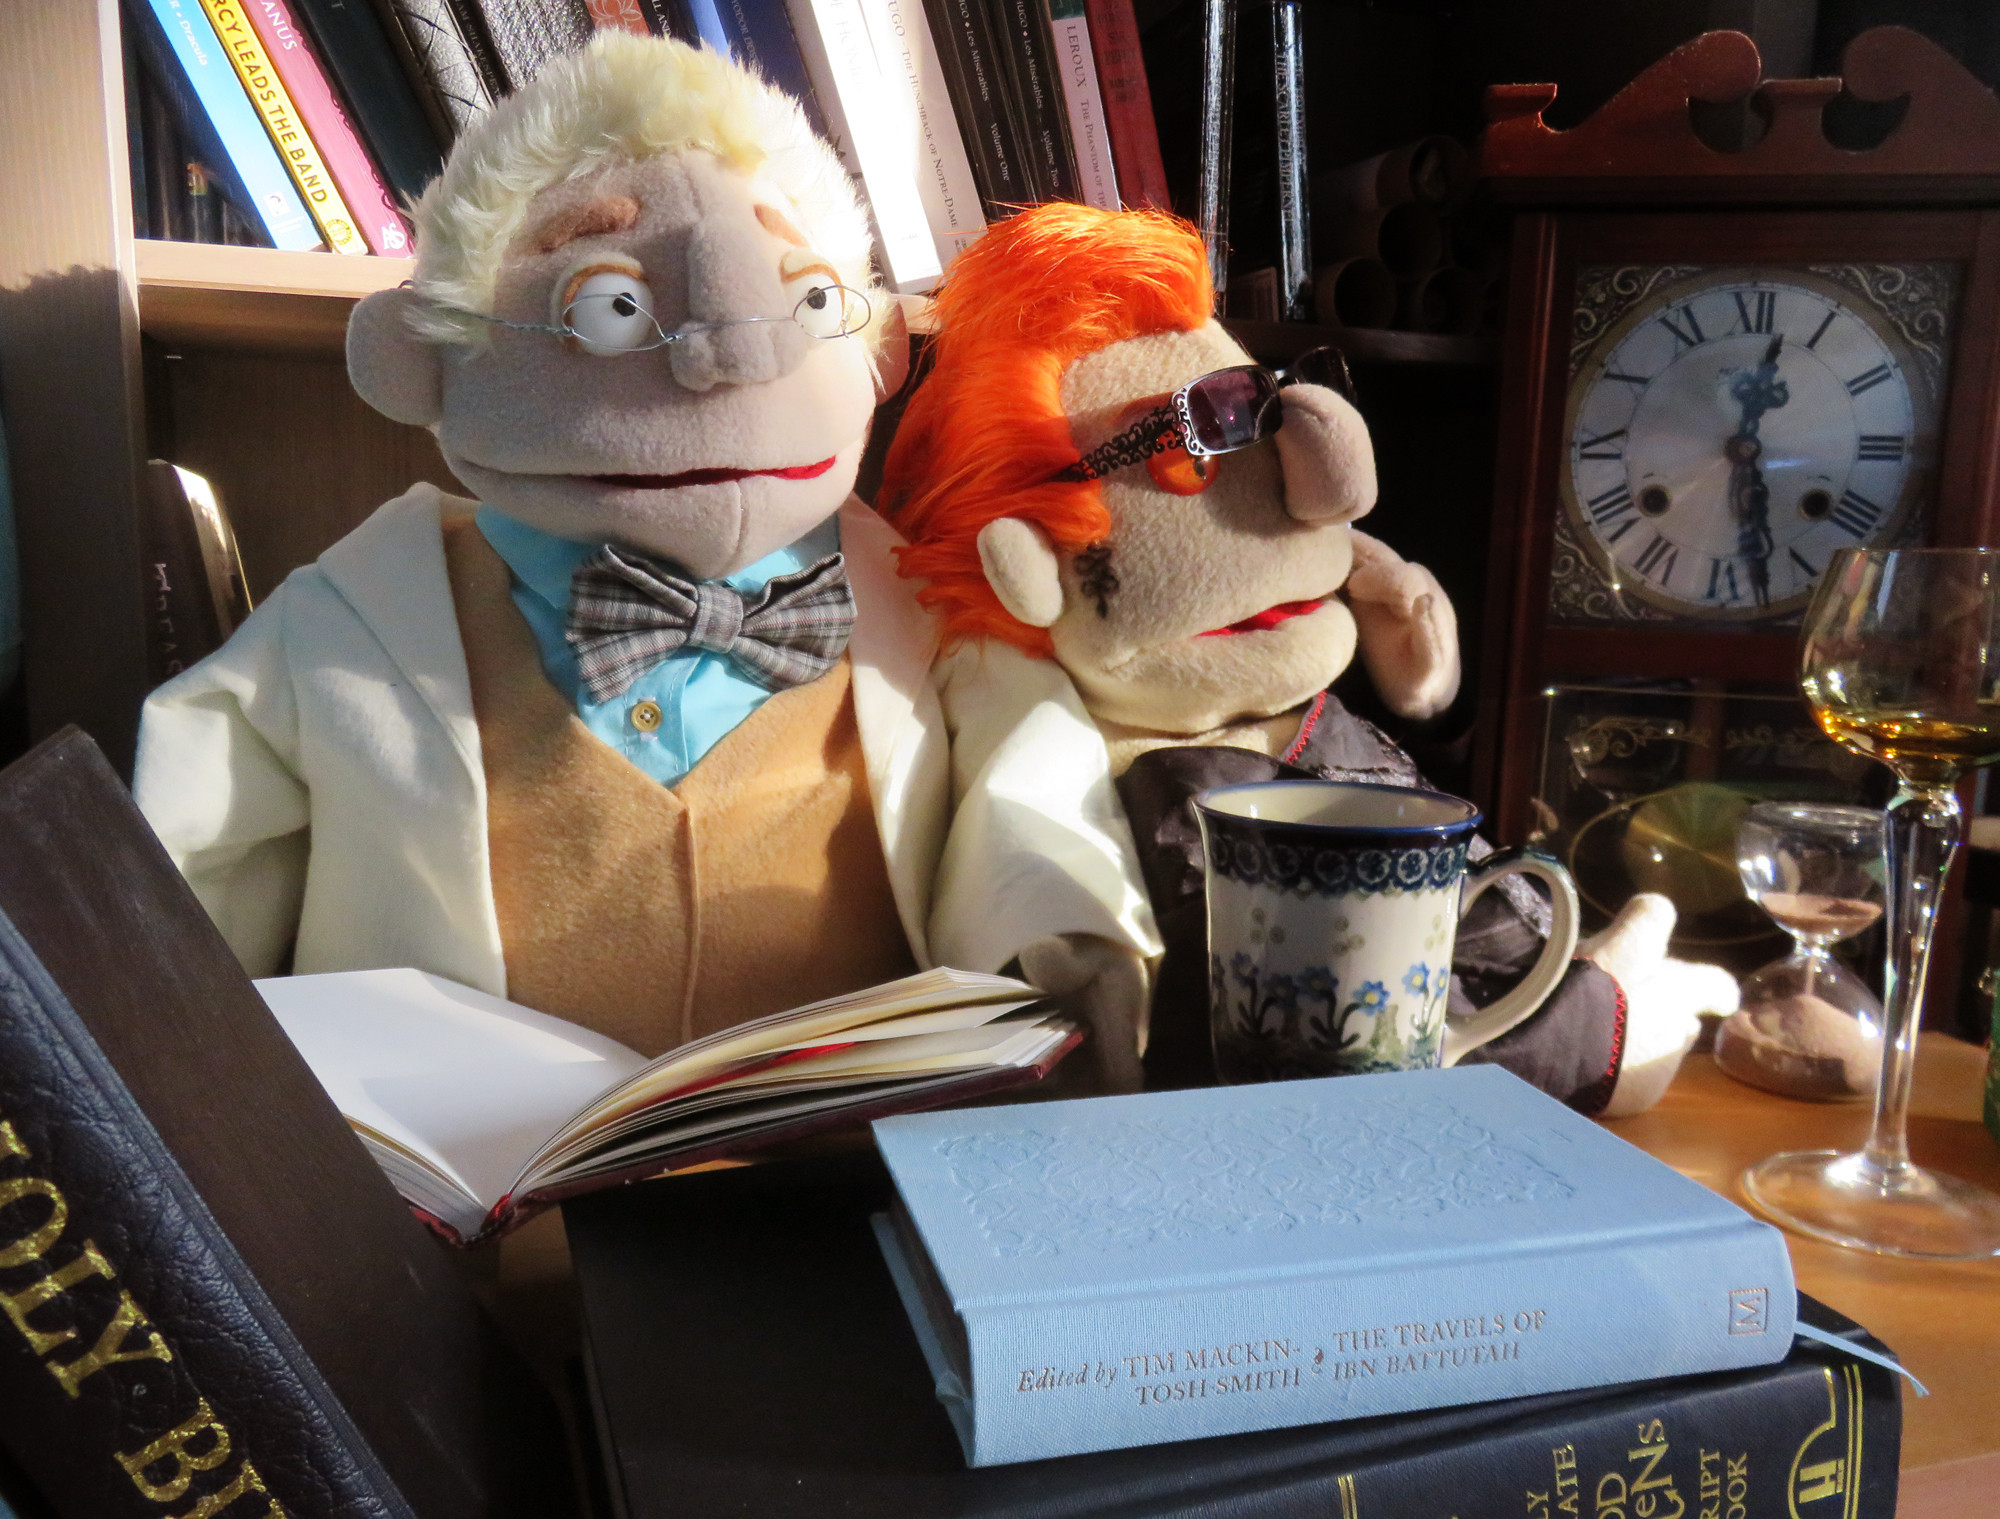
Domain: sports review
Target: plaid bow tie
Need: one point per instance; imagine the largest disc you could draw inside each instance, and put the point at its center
(627, 613)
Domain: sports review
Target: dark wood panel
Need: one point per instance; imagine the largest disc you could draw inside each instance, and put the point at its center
(1632, 653)
(297, 458)
(69, 366)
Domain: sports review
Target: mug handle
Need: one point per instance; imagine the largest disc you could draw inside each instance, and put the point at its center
(1464, 1035)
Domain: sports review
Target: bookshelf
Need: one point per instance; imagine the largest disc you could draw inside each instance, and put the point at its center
(112, 350)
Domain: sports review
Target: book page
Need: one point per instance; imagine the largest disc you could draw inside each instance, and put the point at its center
(470, 1084)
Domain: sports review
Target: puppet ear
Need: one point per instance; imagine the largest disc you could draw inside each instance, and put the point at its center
(393, 369)
(892, 354)
(1022, 569)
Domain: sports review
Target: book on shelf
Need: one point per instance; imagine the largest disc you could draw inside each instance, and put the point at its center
(483, 1112)
(195, 592)
(760, 35)
(868, 120)
(219, 126)
(324, 121)
(748, 1353)
(1028, 51)
(1123, 1271)
(1128, 104)
(381, 101)
(1083, 98)
(297, 150)
(218, 1304)
(969, 52)
(525, 34)
(943, 170)
(452, 65)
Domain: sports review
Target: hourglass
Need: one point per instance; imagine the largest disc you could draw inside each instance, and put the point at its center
(1809, 1027)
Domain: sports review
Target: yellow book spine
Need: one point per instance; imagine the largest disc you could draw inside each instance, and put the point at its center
(281, 119)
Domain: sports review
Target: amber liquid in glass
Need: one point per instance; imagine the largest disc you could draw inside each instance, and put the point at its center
(1926, 750)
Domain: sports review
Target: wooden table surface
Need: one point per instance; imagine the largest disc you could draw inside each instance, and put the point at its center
(1943, 1319)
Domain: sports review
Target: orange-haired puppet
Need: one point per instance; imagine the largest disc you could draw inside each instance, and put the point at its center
(1138, 545)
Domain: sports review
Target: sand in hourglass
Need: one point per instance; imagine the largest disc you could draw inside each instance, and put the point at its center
(1802, 1045)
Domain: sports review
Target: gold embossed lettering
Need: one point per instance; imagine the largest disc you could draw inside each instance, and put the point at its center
(173, 1446)
(17, 1307)
(247, 1481)
(10, 1142)
(35, 1244)
(110, 1347)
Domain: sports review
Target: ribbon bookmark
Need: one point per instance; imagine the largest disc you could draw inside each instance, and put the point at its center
(1846, 1346)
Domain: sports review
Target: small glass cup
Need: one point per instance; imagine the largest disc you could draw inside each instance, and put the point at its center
(1808, 1026)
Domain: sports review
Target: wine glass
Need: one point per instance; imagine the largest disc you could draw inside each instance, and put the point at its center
(1901, 662)
(1808, 1026)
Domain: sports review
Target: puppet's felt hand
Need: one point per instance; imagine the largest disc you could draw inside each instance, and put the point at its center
(1664, 998)
(1104, 987)
(1407, 630)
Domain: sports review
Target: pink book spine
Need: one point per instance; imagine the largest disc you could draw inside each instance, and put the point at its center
(382, 225)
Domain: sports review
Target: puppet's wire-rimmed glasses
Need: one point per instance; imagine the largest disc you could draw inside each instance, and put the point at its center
(613, 322)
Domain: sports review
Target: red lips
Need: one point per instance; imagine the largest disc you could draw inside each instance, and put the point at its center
(1269, 618)
(713, 476)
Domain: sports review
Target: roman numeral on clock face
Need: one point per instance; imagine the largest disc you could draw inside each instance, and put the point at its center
(1722, 580)
(1868, 379)
(1811, 569)
(1689, 337)
(1756, 309)
(1855, 513)
(1885, 447)
(1596, 448)
(1609, 507)
(1657, 560)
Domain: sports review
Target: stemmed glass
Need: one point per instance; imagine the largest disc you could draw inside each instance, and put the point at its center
(1901, 662)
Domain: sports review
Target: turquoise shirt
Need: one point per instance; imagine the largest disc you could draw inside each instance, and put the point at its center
(681, 708)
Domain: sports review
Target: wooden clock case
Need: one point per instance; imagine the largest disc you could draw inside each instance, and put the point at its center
(1635, 184)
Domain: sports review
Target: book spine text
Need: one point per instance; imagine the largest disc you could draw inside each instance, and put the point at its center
(381, 226)
(300, 154)
(1065, 1376)
(238, 129)
(944, 173)
(1076, 66)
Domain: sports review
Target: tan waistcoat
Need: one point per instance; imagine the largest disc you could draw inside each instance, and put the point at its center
(655, 916)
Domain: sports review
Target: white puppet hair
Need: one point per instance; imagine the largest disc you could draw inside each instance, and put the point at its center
(622, 98)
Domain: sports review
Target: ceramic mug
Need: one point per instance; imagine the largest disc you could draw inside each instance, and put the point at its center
(1333, 907)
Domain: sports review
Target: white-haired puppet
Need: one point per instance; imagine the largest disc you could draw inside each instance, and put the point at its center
(601, 741)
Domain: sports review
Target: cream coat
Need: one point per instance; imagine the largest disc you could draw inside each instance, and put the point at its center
(318, 780)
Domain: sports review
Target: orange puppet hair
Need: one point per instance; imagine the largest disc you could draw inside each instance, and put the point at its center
(982, 435)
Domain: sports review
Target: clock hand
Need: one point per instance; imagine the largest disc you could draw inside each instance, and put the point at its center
(1756, 392)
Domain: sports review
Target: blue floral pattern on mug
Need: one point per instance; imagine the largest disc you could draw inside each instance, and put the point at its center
(1309, 870)
(1282, 1025)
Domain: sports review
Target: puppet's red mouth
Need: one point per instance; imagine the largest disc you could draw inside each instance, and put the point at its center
(1269, 618)
(713, 476)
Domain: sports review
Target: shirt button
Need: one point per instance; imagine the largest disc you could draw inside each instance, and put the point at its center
(646, 716)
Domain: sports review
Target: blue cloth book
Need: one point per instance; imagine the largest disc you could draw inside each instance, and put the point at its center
(188, 56)
(1124, 1271)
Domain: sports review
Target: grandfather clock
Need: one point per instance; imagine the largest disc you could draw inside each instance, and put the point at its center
(1667, 298)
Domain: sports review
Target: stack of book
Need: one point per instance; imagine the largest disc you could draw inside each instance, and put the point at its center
(303, 124)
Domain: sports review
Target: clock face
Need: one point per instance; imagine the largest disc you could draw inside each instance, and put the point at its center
(1732, 431)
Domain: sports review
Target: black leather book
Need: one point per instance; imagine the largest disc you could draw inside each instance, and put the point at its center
(1030, 52)
(216, 1303)
(748, 1355)
(527, 33)
(379, 95)
(455, 64)
(975, 76)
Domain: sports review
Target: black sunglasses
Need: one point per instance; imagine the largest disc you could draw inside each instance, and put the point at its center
(1217, 413)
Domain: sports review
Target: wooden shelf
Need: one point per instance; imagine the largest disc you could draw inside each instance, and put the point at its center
(208, 295)
(1281, 342)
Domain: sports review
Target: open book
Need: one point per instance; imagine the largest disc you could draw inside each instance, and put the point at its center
(483, 1112)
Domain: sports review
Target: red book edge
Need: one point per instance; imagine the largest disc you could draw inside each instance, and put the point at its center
(512, 1212)
(1128, 104)
(383, 227)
